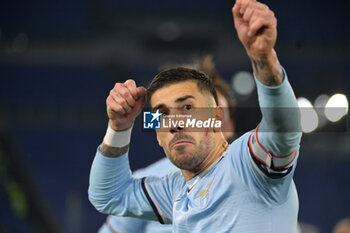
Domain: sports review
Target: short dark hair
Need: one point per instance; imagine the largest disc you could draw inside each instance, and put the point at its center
(181, 74)
(206, 65)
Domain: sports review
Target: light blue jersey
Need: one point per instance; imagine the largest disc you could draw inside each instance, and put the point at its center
(134, 225)
(231, 196)
(249, 189)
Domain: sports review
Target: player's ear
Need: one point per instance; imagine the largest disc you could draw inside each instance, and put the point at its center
(219, 114)
(158, 139)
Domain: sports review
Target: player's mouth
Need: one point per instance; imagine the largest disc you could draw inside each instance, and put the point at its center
(180, 143)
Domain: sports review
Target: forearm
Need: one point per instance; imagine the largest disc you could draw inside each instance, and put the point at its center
(256, 27)
(112, 188)
(108, 178)
(267, 69)
(113, 152)
(279, 131)
(110, 168)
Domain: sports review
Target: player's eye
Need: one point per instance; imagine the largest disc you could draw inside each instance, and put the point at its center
(164, 113)
(187, 107)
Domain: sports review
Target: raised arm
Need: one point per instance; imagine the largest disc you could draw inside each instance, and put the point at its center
(276, 144)
(112, 189)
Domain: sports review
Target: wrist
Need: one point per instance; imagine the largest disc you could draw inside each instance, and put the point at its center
(117, 138)
(120, 127)
(267, 68)
(268, 57)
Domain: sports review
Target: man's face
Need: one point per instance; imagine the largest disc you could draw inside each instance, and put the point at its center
(185, 147)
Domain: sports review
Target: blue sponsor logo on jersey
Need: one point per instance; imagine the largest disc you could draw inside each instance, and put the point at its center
(151, 120)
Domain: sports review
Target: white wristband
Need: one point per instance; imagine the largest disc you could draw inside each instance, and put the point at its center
(117, 138)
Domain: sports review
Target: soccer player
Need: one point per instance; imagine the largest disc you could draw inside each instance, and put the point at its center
(163, 166)
(245, 186)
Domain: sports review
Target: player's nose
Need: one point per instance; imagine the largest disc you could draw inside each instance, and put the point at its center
(175, 129)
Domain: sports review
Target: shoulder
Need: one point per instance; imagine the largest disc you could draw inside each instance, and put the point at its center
(171, 181)
(177, 177)
(240, 145)
(158, 168)
(173, 178)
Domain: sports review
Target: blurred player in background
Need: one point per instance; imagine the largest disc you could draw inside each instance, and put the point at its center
(162, 167)
(342, 226)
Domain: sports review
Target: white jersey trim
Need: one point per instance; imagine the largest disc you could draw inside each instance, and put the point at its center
(275, 162)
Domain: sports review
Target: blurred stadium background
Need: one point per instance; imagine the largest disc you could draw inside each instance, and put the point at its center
(59, 59)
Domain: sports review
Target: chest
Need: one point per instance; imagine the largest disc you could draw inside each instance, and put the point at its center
(219, 197)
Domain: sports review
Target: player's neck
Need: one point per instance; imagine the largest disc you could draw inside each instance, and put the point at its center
(221, 146)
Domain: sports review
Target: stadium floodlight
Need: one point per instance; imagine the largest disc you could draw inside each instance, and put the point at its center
(309, 118)
(243, 83)
(336, 107)
(320, 104)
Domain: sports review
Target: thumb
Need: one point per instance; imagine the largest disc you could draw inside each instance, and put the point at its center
(141, 92)
(140, 102)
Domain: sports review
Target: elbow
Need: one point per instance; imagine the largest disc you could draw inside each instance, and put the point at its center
(294, 139)
(287, 142)
(101, 204)
(291, 138)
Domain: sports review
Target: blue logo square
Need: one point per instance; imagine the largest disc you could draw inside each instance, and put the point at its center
(151, 120)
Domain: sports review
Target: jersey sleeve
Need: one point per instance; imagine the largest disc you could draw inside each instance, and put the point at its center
(271, 187)
(135, 225)
(104, 229)
(272, 165)
(113, 190)
(266, 157)
(117, 224)
(275, 142)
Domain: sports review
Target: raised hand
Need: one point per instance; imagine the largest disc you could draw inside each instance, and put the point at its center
(256, 27)
(124, 103)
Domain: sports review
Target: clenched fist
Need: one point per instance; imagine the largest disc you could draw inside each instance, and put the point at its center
(124, 103)
(256, 27)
